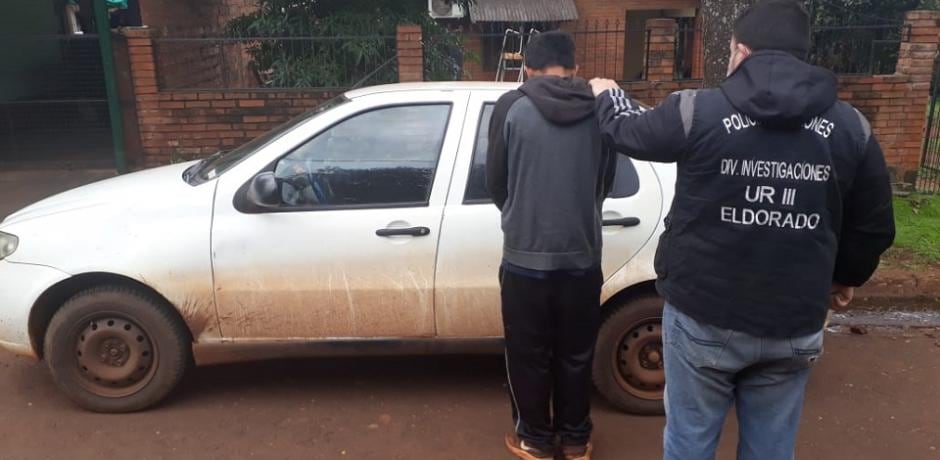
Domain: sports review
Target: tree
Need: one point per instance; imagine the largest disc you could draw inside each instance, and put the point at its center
(338, 43)
(718, 22)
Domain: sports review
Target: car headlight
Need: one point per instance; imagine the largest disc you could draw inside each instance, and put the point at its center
(8, 244)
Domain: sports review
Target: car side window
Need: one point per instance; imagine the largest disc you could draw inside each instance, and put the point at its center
(626, 182)
(476, 183)
(383, 157)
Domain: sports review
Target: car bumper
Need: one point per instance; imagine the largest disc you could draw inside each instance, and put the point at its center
(20, 287)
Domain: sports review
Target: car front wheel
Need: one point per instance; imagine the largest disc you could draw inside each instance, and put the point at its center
(628, 361)
(115, 349)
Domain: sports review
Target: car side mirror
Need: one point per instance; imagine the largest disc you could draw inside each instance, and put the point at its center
(263, 191)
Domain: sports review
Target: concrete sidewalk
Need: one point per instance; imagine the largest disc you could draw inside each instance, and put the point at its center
(19, 188)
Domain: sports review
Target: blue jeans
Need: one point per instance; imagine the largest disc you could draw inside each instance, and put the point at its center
(709, 368)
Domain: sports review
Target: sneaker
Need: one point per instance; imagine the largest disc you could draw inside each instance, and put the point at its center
(526, 452)
(578, 452)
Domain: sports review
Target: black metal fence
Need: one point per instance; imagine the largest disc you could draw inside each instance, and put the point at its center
(610, 49)
(928, 178)
(336, 62)
(604, 48)
(53, 106)
(858, 49)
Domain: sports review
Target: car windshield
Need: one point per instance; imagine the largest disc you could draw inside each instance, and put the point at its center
(217, 164)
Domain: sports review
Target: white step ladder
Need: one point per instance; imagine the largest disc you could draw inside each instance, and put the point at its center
(512, 56)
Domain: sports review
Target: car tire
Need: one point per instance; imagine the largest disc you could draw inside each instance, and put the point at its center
(628, 359)
(115, 349)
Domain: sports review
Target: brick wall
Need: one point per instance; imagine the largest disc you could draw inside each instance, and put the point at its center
(188, 65)
(896, 105)
(197, 64)
(179, 125)
(188, 16)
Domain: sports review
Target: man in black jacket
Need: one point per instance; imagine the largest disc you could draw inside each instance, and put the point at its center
(782, 207)
(548, 173)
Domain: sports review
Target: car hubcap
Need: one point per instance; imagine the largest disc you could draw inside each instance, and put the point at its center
(640, 361)
(115, 357)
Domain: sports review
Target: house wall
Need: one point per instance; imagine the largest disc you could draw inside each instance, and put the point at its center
(610, 41)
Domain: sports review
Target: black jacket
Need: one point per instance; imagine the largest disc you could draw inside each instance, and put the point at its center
(548, 173)
(781, 191)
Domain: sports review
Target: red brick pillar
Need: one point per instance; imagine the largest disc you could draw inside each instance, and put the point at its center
(661, 49)
(916, 62)
(144, 82)
(410, 53)
(143, 66)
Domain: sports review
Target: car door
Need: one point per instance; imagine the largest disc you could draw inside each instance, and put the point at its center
(350, 251)
(467, 289)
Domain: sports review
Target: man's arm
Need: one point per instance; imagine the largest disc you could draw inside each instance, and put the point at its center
(868, 220)
(651, 135)
(497, 153)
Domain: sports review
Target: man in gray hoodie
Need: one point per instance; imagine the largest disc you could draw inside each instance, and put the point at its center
(548, 173)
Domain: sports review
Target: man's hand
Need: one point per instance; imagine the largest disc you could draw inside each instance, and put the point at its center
(599, 85)
(841, 296)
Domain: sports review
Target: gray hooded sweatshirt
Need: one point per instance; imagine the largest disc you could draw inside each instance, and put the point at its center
(548, 172)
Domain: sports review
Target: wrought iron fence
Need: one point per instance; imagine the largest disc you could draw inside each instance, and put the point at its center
(928, 178)
(858, 49)
(690, 53)
(53, 105)
(336, 62)
(603, 49)
(610, 49)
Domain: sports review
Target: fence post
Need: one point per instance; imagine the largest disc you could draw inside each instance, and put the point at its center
(661, 49)
(114, 106)
(916, 61)
(410, 53)
(143, 72)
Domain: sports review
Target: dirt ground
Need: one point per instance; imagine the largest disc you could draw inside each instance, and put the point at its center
(873, 396)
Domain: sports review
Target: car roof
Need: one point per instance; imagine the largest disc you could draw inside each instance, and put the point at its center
(432, 86)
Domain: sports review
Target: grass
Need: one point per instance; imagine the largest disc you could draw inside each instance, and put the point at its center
(918, 226)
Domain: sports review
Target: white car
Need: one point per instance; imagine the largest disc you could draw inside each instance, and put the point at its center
(360, 227)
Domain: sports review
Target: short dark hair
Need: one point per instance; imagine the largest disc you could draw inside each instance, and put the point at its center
(781, 25)
(549, 49)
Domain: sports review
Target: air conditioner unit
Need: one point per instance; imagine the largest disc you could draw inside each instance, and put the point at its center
(441, 9)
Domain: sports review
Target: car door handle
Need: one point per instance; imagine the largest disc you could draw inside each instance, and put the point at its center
(622, 222)
(408, 231)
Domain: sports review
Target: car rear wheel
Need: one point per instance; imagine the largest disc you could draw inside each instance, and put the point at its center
(628, 361)
(115, 349)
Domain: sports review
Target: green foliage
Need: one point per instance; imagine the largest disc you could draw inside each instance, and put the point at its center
(340, 43)
(918, 225)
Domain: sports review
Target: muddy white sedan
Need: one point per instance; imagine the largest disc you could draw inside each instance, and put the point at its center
(360, 227)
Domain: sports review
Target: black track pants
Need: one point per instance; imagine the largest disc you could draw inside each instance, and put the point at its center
(551, 327)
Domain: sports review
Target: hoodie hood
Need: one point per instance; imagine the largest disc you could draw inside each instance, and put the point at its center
(562, 101)
(779, 90)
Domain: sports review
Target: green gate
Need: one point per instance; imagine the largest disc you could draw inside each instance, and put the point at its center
(58, 97)
(53, 103)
